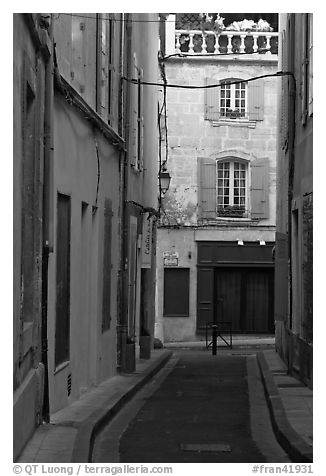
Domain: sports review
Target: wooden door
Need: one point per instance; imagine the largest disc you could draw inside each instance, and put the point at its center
(244, 296)
(258, 300)
(228, 297)
(62, 331)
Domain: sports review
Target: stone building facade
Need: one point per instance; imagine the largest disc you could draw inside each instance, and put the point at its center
(217, 231)
(85, 202)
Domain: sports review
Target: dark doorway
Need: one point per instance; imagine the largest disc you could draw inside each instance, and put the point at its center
(62, 331)
(244, 296)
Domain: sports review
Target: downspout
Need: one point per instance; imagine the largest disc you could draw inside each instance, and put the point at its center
(47, 214)
(292, 113)
(123, 325)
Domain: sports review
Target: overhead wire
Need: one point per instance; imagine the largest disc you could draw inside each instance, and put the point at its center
(209, 86)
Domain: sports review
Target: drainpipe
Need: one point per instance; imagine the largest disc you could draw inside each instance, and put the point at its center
(47, 214)
(123, 324)
(292, 113)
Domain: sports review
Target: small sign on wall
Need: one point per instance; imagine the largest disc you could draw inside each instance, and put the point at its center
(170, 258)
(146, 256)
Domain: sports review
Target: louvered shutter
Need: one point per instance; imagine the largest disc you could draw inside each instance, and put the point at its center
(212, 100)
(206, 188)
(259, 188)
(256, 100)
(281, 277)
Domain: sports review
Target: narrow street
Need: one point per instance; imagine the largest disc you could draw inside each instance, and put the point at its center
(198, 409)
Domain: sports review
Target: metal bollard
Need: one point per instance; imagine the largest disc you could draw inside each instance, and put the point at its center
(214, 339)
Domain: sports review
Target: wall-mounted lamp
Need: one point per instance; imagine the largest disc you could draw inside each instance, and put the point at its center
(165, 179)
(262, 242)
(240, 243)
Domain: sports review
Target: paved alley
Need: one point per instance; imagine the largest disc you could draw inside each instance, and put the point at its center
(199, 408)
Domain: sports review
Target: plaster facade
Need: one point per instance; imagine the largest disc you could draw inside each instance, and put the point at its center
(29, 70)
(294, 225)
(192, 137)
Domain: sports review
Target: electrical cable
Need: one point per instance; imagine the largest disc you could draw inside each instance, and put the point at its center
(98, 169)
(205, 55)
(209, 86)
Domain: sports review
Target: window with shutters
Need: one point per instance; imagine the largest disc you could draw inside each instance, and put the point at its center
(136, 118)
(233, 188)
(105, 66)
(231, 100)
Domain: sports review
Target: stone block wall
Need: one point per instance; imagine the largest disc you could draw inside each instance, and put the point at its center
(191, 136)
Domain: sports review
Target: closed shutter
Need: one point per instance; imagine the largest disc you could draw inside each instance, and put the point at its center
(212, 100)
(283, 126)
(79, 45)
(205, 296)
(107, 266)
(111, 70)
(63, 37)
(259, 188)
(102, 65)
(256, 100)
(134, 114)
(310, 66)
(281, 276)
(206, 188)
(304, 68)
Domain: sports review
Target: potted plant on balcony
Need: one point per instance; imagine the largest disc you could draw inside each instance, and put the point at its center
(235, 211)
(145, 344)
(233, 113)
(130, 362)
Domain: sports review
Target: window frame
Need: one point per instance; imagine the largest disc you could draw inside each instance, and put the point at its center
(234, 84)
(235, 209)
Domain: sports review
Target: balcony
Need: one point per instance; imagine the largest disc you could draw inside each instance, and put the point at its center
(205, 41)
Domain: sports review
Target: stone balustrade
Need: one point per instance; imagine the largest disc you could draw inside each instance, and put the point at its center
(194, 42)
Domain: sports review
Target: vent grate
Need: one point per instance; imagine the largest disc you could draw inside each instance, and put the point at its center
(206, 447)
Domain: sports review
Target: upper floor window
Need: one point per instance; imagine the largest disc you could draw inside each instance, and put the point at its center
(233, 100)
(233, 188)
(87, 54)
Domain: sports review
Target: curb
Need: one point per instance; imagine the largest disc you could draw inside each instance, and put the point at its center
(288, 438)
(87, 431)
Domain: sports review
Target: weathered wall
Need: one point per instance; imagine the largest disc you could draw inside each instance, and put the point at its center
(184, 242)
(191, 136)
(294, 220)
(92, 353)
(28, 122)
